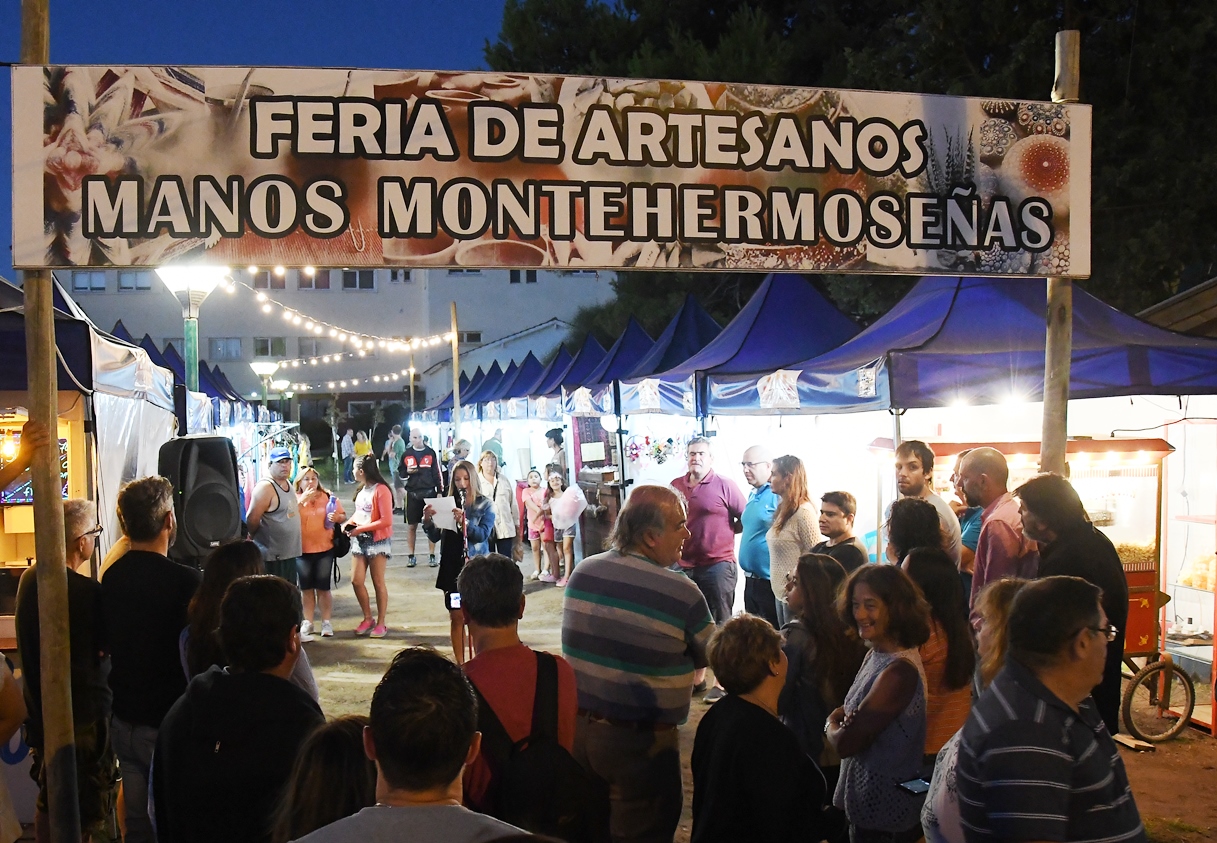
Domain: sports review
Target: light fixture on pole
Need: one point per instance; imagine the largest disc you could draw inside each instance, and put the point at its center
(264, 369)
(191, 284)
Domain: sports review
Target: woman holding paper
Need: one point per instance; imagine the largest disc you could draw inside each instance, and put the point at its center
(472, 524)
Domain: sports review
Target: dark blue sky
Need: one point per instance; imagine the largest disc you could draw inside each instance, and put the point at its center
(406, 34)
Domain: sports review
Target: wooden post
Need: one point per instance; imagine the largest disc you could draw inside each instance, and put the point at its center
(58, 749)
(456, 378)
(411, 384)
(1058, 346)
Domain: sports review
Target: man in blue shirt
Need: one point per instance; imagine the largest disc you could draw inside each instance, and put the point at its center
(753, 548)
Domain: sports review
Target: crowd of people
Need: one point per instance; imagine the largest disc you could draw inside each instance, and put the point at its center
(962, 692)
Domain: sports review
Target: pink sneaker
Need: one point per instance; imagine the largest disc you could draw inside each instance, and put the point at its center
(548, 577)
(380, 631)
(365, 627)
(561, 583)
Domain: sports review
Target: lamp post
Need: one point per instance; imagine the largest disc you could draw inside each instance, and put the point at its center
(264, 369)
(191, 284)
(280, 386)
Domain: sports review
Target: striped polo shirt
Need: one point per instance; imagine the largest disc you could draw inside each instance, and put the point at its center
(1031, 768)
(634, 632)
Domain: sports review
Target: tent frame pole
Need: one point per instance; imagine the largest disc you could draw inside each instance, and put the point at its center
(1058, 346)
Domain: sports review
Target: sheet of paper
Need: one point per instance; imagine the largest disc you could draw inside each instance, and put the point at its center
(443, 512)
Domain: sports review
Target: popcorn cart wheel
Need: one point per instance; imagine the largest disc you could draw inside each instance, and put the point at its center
(1159, 699)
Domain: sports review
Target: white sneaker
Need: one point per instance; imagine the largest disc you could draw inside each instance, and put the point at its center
(306, 637)
(306, 628)
(534, 576)
(327, 630)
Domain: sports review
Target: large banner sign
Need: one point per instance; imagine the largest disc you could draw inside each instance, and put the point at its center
(137, 166)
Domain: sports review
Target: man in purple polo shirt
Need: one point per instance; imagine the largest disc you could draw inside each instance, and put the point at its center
(716, 506)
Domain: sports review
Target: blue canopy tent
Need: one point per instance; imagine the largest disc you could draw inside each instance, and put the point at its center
(120, 332)
(221, 379)
(178, 366)
(786, 319)
(441, 411)
(507, 398)
(523, 389)
(467, 383)
(981, 341)
(488, 405)
(469, 403)
(597, 395)
(690, 330)
(546, 399)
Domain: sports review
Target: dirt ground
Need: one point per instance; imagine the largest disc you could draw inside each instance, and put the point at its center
(1174, 785)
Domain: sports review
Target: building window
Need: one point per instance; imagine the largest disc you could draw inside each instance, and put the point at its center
(464, 272)
(530, 276)
(470, 336)
(581, 273)
(400, 276)
(310, 346)
(267, 280)
(89, 282)
(133, 280)
(223, 348)
(270, 346)
(356, 408)
(320, 280)
(177, 342)
(358, 279)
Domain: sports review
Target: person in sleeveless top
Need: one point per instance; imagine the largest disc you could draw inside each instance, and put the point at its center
(273, 518)
(880, 731)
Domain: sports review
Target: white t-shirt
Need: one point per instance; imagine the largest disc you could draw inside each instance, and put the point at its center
(432, 823)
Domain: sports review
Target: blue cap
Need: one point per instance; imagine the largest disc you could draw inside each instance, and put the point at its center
(280, 453)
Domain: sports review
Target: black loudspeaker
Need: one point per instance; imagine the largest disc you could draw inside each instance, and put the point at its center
(203, 471)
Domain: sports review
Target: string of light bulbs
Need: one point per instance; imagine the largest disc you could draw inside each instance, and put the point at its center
(343, 383)
(361, 341)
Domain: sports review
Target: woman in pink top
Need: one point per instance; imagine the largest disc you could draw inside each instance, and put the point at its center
(534, 498)
(371, 530)
(319, 512)
(947, 657)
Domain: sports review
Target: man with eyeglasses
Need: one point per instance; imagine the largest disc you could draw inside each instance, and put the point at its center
(90, 668)
(1036, 761)
(762, 503)
(1053, 515)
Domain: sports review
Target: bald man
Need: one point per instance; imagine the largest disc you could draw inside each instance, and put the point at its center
(753, 548)
(1002, 550)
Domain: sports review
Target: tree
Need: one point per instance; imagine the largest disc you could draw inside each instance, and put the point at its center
(1146, 68)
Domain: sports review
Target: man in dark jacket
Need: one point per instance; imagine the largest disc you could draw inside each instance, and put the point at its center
(1070, 546)
(226, 748)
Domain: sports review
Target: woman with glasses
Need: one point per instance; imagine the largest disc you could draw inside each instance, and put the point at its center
(795, 529)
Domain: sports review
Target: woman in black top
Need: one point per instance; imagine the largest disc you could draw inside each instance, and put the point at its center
(824, 656)
(750, 779)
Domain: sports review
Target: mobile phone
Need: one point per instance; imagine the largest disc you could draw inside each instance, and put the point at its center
(914, 786)
(454, 600)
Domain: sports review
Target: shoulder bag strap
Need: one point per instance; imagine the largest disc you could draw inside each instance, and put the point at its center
(545, 699)
(496, 743)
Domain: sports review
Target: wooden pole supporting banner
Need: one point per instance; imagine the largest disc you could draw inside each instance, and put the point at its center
(59, 741)
(1058, 346)
(456, 377)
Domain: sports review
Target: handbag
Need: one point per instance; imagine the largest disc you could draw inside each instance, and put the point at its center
(342, 545)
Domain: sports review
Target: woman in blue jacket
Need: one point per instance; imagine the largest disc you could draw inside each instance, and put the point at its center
(474, 517)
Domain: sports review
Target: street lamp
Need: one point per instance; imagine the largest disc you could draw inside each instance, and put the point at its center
(191, 284)
(264, 369)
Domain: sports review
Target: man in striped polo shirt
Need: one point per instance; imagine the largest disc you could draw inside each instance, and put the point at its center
(635, 632)
(1036, 762)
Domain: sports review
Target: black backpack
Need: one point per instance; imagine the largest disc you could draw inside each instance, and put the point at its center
(537, 785)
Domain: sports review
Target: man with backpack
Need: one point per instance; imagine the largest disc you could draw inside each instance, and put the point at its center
(525, 773)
